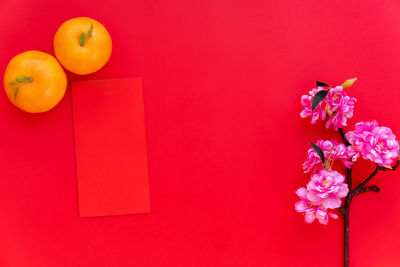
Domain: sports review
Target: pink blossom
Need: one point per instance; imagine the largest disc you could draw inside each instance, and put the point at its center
(327, 188)
(319, 111)
(368, 126)
(335, 97)
(361, 129)
(340, 108)
(337, 105)
(310, 210)
(375, 143)
(357, 137)
(313, 163)
(381, 146)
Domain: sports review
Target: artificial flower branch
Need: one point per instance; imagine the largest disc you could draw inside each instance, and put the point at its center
(327, 187)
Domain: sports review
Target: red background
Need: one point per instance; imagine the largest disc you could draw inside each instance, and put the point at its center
(223, 81)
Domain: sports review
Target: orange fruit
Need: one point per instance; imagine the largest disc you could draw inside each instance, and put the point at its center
(34, 81)
(82, 45)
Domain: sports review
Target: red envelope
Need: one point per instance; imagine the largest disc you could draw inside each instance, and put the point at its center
(110, 147)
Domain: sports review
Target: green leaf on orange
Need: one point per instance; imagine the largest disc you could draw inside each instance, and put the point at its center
(16, 93)
(21, 79)
(90, 31)
(82, 38)
(13, 84)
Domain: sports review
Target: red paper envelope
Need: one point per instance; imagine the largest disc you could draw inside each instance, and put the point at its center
(110, 147)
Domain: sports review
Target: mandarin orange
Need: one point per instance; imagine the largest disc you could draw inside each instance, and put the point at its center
(82, 45)
(34, 81)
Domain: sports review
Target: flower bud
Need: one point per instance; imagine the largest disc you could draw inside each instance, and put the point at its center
(348, 83)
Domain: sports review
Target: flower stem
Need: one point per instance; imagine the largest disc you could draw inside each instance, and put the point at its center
(343, 135)
(346, 215)
(371, 188)
(345, 210)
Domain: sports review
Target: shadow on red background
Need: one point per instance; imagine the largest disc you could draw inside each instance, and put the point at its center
(223, 81)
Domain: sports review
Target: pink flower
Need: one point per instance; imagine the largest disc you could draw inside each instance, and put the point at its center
(361, 129)
(306, 101)
(340, 108)
(381, 146)
(326, 188)
(368, 126)
(377, 144)
(335, 97)
(310, 210)
(337, 105)
(323, 192)
(313, 163)
(357, 137)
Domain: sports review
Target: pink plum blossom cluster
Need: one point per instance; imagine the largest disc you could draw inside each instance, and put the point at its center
(324, 191)
(336, 107)
(332, 150)
(374, 143)
(327, 187)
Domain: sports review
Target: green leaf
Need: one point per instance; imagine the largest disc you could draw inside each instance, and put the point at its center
(21, 79)
(82, 38)
(319, 152)
(16, 93)
(90, 31)
(318, 98)
(329, 156)
(318, 83)
(13, 84)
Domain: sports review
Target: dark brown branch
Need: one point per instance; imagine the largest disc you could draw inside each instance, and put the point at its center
(345, 209)
(393, 168)
(346, 213)
(370, 188)
(360, 187)
(342, 209)
(343, 135)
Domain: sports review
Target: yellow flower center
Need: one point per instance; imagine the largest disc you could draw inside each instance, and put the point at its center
(381, 145)
(325, 182)
(335, 97)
